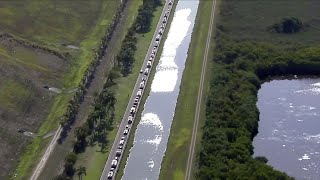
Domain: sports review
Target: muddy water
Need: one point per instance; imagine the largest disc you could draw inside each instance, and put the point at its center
(289, 127)
(152, 133)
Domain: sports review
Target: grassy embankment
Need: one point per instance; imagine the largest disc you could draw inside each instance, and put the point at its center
(93, 159)
(142, 47)
(87, 38)
(246, 53)
(176, 156)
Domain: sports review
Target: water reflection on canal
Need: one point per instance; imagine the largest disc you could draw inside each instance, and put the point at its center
(289, 127)
(152, 133)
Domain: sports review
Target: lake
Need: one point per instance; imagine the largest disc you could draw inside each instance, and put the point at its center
(289, 127)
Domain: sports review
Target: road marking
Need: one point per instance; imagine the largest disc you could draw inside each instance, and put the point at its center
(198, 107)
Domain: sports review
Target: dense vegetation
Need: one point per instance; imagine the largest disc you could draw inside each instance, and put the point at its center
(98, 122)
(126, 56)
(144, 18)
(94, 130)
(141, 25)
(231, 114)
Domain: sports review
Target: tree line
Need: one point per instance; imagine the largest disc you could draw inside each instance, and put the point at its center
(93, 131)
(232, 117)
(142, 24)
(72, 109)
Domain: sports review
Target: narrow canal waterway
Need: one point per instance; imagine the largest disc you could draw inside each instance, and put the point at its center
(289, 127)
(151, 136)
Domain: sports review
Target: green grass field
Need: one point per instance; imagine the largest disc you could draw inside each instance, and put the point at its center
(23, 101)
(176, 156)
(250, 20)
(53, 24)
(13, 95)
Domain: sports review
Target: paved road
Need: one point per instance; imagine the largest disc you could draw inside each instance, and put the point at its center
(198, 107)
(124, 121)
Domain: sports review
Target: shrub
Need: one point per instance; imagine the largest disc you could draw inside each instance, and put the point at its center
(262, 159)
(288, 25)
(71, 158)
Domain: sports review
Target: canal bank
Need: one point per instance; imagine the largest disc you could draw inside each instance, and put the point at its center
(153, 130)
(176, 156)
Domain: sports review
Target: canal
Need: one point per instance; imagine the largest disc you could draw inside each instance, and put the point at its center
(151, 136)
(289, 127)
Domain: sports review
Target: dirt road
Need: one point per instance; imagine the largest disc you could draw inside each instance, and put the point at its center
(46, 155)
(198, 107)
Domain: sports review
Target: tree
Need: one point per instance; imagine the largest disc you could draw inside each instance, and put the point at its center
(291, 25)
(262, 159)
(82, 132)
(144, 18)
(114, 74)
(288, 25)
(69, 169)
(71, 158)
(69, 162)
(80, 171)
(79, 146)
(61, 177)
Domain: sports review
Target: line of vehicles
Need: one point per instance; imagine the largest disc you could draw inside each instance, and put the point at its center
(142, 85)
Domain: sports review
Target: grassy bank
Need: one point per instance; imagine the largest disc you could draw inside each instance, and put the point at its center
(176, 156)
(71, 80)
